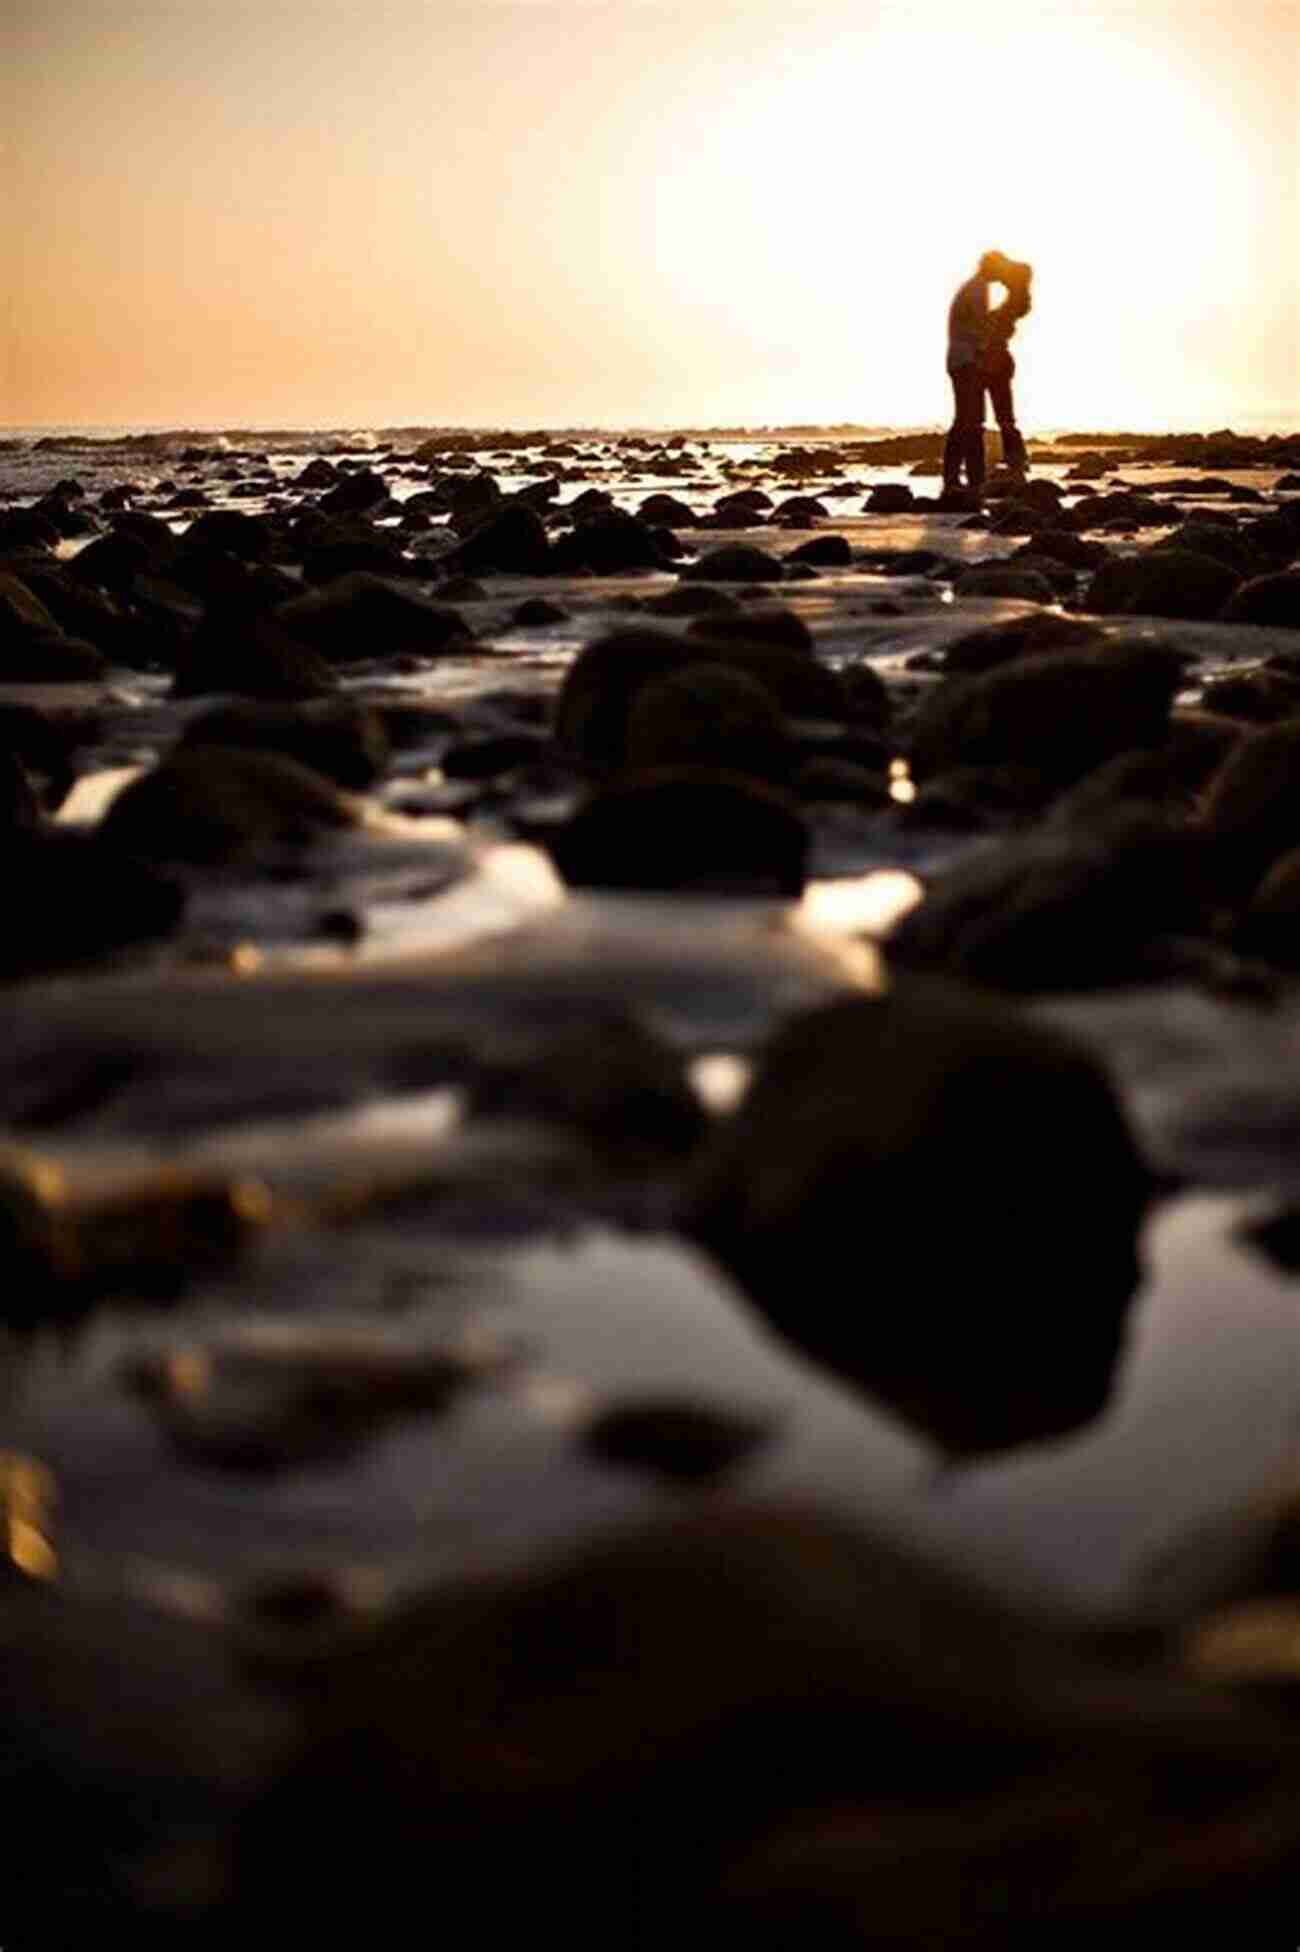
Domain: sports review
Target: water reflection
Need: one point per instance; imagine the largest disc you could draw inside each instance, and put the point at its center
(27, 1495)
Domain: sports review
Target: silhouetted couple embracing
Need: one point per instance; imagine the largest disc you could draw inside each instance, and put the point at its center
(980, 362)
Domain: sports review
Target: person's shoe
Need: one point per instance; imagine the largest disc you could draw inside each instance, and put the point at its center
(958, 500)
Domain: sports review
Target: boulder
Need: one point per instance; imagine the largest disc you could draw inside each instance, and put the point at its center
(248, 654)
(890, 498)
(823, 552)
(765, 623)
(340, 740)
(596, 698)
(221, 806)
(734, 562)
(75, 897)
(607, 1079)
(1162, 583)
(360, 616)
(1027, 636)
(1080, 904)
(669, 511)
(688, 830)
(33, 649)
(1003, 1324)
(608, 543)
(1272, 600)
(1270, 925)
(1252, 804)
(355, 493)
(711, 716)
(1060, 712)
(1262, 696)
(1005, 579)
(511, 542)
(249, 537)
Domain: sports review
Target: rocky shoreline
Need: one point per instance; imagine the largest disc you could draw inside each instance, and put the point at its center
(649, 1182)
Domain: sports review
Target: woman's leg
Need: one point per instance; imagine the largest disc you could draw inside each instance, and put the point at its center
(964, 446)
(1013, 441)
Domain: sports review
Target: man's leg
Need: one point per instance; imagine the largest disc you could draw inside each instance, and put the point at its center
(965, 443)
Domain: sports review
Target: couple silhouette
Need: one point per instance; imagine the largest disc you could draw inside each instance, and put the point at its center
(980, 363)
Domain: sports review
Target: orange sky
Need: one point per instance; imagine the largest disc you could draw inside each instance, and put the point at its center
(620, 211)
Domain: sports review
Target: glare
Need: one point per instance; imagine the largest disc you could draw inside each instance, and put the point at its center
(887, 158)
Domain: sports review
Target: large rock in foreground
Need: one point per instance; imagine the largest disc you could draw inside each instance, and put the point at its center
(940, 1201)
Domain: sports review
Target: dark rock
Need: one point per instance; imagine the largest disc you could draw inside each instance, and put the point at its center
(867, 695)
(684, 1441)
(1071, 907)
(1252, 805)
(1270, 926)
(210, 806)
(247, 537)
(20, 810)
(78, 899)
(688, 830)
(462, 589)
(336, 738)
(691, 600)
(471, 499)
(536, 612)
(512, 542)
(1162, 583)
(43, 747)
(247, 653)
(1005, 580)
(734, 562)
(1273, 600)
(890, 498)
(824, 551)
(27, 528)
(1223, 542)
(1262, 696)
(607, 1079)
(490, 756)
(80, 610)
(1062, 712)
(1063, 546)
(711, 716)
(1027, 636)
(359, 616)
(985, 1333)
(334, 549)
(756, 624)
(318, 473)
(596, 698)
(609, 543)
(740, 508)
(668, 510)
(112, 562)
(33, 650)
(825, 779)
(355, 493)
(1198, 744)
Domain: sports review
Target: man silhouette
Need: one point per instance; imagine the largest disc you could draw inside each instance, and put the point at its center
(979, 362)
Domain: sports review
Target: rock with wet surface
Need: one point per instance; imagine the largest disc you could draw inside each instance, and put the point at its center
(215, 806)
(1003, 1325)
(1162, 583)
(685, 828)
(1063, 712)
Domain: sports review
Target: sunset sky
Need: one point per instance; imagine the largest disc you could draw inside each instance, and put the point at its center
(565, 212)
